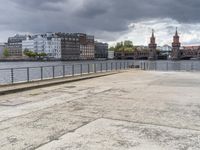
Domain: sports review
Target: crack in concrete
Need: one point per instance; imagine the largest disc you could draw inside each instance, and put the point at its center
(68, 131)
(152, 124)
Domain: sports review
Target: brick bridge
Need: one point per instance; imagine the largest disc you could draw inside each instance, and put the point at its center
(190, 53)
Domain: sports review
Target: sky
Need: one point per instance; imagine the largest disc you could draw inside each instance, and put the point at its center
(108, 20)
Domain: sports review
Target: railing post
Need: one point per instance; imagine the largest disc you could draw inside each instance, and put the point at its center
(53, 71)
(95, 68)
(41, 73)
(81, 69)
(73, 70)
(167, 66)
(111, 66)
(192, 66)
(147, 67)
(63, 71)
(106, 67)
(88, 68)
(155, 65)
(12, 75)
(132, 65)
(28, 74)
(101, 67)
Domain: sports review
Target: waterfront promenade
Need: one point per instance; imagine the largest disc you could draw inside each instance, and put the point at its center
(131, 110)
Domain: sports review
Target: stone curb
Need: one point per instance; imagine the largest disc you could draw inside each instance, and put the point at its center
(10, 89)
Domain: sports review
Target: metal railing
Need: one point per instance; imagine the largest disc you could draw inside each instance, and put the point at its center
(29, 74)
(170, 65)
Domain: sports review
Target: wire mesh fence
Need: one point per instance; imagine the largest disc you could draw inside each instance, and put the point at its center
(170, 65)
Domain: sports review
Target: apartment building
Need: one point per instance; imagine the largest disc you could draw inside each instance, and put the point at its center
(2, 46)
(65, 46)
(70, 46)
(87, 47)
(76, 46)
(47, 43)
(101, 50)
(14, 45)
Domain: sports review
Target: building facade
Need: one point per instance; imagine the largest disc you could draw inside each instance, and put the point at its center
(87, 47)
(152, 47)
(14, 45)
(47, 43)
(70, 46)
(64, 46)
(101, 50)
(52, 46)
(2, 46)
(76, 46)
(111, 54)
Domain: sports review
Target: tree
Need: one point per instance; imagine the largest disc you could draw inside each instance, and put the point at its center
(42, 55)
(128, 44)
(124, 46)
(29, 53)
(5, 52)
(119, 46)
(112, 48)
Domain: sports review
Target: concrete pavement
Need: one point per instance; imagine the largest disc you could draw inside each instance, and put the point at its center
(134, 110)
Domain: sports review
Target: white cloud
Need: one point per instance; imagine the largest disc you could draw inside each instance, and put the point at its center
(140, 32)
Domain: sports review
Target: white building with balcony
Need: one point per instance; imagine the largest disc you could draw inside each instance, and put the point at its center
(47, 43)
(52, 47)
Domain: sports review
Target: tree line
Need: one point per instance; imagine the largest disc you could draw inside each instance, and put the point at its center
(126, 46)
(27, 53)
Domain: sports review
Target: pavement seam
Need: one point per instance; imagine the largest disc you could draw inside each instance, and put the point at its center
(152, 124)
(67, 132)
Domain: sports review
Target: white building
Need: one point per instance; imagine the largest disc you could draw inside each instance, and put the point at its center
(29, 44)
(52, 47)
(2, 46)
(111, 54)
(47, 43)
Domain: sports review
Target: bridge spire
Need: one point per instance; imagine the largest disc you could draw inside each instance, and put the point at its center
(152, 47)
(176, 46)
(176, 31)
(152, 33)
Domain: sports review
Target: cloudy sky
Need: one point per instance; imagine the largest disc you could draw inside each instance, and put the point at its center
(108, 20)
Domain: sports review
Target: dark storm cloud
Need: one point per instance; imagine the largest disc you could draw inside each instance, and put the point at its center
(39, 4)
(91, 16)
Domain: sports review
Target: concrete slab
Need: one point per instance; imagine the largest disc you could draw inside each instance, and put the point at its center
(106, 134)
(130, 110)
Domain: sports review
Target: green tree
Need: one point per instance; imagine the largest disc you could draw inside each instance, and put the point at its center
(6, 52)
(128, 44)
(42, 55)
(112, 48)
(119, 46)
(124, 46)
(30, 53)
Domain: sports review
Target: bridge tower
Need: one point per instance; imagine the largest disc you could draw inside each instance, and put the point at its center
(176, 54)
(152, 47)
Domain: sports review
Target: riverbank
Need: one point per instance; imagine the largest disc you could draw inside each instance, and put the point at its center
(45, 60)
(132, 110)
